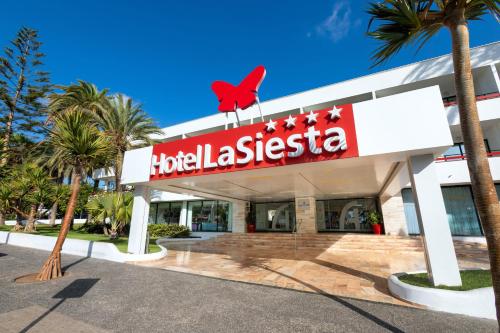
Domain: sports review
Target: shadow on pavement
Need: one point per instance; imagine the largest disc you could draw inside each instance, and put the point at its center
(344, 302)
(75, 289)
(76, 262)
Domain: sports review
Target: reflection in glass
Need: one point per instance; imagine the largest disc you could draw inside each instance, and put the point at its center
(166, 212)
(344, 214)
(275, 216)
(209, 215)
(460, 210)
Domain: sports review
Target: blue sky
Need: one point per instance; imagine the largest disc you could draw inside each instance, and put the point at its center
(165, 54)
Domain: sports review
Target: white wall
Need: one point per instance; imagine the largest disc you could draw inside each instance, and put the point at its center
(456, 172)
(488, 109)
(77, 247)
(409, 121)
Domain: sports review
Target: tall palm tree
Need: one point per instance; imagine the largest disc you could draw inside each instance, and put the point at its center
(40, 191)
(406, 22)
(59, 193)
(81, 96)
(128, 125)
(5, 200)
(80, 146)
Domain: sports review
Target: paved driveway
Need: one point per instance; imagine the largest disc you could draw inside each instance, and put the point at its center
(99, 296)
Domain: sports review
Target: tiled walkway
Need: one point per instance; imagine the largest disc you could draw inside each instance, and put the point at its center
(358, 273)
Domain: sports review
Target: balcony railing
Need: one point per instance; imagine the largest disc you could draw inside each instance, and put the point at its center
(449, 101)
(449, 158)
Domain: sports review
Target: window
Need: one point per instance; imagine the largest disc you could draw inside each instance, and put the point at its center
(458, 150)
(209, 215)
(344, 214)
(460, 209)
(275, 216)
(165, 212)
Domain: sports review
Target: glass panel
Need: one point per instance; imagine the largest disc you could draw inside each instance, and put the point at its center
(209, 215)
(169, 212)
(344, 214)
(461, 211)
(175, 213)
(275, 216)
(152, 213)
(453, 151)
(497, 186)
(196, 220)
(163, 212)
(221, 217)
(410, 212)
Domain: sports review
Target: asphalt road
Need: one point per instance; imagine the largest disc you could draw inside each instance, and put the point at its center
(127, 298)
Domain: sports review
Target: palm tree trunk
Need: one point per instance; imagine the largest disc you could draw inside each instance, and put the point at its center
(477, 161)
(30, 224)
(2, 218)
(96, 185)
(52, 267)
(6, 139)
(18, 225)
(53, 214)
(118, 171)
(10, 118)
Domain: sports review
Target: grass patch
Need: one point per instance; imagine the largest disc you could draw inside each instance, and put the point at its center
(472, 279)
(121, 243)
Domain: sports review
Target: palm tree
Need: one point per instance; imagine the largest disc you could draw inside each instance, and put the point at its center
(59, 193)
(22, 182)
(117, 207)
(81, 96)
(128, 126)
(40, 191)
(80, 146)
(405, 22)
(5, 200)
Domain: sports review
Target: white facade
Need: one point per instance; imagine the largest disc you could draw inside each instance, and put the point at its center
(405, 119)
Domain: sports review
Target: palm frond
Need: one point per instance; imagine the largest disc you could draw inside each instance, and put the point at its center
(401, 23)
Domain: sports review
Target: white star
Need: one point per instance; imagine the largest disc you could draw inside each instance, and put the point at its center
(290, 122)
(335, 113)
(311, 117)
(271, 125)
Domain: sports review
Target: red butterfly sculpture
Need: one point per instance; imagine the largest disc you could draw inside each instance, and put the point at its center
(241, 96)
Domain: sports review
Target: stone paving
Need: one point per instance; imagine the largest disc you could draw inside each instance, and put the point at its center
(99, 296)
(352, 272)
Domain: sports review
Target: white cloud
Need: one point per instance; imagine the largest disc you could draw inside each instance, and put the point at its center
(339, 23)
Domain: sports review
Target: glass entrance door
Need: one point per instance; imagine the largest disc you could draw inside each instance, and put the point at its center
(348, 215)
(275, 216)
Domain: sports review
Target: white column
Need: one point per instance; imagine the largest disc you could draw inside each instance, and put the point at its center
(183, 216)
(495, 75)
(139, 220)
(440, 254)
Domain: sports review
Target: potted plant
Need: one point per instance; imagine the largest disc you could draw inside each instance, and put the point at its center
(250, 223)
(375, 220)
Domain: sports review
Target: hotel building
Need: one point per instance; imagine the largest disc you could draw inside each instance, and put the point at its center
(323, 159)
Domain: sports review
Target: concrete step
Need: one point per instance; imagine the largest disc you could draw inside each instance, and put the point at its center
(315, 242)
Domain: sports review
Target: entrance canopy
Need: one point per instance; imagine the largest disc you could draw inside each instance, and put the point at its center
(341, 152)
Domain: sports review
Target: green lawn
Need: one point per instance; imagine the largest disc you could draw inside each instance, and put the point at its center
(121, 243)
(472, 279)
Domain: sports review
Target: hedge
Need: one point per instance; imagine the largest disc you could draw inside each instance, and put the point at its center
(168, 230)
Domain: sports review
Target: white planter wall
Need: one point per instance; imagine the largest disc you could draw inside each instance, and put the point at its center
(77, 247)
(477, 303)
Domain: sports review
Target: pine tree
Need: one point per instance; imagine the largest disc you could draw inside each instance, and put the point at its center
(23, 88)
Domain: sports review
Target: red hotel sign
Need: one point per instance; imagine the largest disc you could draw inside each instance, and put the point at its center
(316, 136)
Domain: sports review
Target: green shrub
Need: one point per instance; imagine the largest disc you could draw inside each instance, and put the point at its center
(92, 228)
(168, 230)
